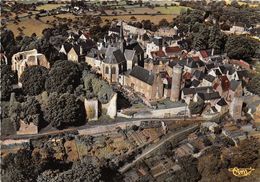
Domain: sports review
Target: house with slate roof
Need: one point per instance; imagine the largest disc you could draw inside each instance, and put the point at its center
(221, 106)
(208, 80)
(187, 94)
(207, 97)
(145, 82)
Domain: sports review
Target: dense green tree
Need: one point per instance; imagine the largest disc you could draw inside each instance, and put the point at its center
(196, 107)
(24, 166)
(97, 87)
(8, 78)
(64, 110)
(63, 77)
(31, 111)
(83, 170)
(254, 85)
(216, 39)
(240, 47)
(200, 40)
(163, 23)
(33, 79)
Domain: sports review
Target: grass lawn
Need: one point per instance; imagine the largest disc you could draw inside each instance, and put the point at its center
(49, 6)
(154, 19)
(171, 9)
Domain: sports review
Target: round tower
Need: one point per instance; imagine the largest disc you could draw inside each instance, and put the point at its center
(176, 83)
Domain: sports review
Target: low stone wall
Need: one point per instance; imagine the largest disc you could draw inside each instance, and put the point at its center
(111, 107)
(164, 113)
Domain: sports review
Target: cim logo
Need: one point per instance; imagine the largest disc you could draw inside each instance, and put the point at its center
(241, 172)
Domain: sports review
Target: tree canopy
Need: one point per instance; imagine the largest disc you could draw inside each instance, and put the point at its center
(33, 79)
(196, 107)
(96, 87)
(64, 110)
(240, 47)
(64, 76)
(7, 80)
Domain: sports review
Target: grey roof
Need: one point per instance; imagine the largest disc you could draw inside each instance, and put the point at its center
(143, 75)
(209, 96)
(222, 102)
(210, 66)
(115, 29)
(135, 46)
(129, 54)
(188, 91)
(114, 56)
(198, 74)
(234, 84)
(195, 83)
(214, 109)
(209, 78)
(191, 63)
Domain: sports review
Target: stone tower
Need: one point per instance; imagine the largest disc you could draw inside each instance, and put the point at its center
(176, 83)
(121, 39)
(235, 107)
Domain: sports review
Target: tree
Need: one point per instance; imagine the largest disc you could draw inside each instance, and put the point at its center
(97, 87)
(33, 79)
(215, 39)
(64, 110)
(200, 40)
(254, 85)
(240, 47)
(85, 170)
(7, 80)
(163, 23)
(63, 77)
(31, 111)
(196, 107)
(24, 166)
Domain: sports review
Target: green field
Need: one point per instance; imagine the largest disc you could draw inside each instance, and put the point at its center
(171, 9)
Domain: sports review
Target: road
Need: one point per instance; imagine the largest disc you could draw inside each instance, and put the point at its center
(151, 149)
(97, 129)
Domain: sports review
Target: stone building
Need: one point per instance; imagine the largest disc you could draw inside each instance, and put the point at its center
(166, 32)
(21, 60)
(145, 82)
(113, 64)
(26, 129)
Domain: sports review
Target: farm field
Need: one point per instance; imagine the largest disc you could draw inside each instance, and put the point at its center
(154, 19)
(171, 10)
(49, 7)
(29, 26)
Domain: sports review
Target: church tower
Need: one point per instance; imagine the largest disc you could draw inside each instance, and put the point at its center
(121, 38)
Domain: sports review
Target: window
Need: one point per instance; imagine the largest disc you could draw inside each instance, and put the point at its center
(107, 70)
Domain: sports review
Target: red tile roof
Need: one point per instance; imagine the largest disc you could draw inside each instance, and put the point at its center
(174, 49)
(196, 58)
(159, 53)
(204, 54)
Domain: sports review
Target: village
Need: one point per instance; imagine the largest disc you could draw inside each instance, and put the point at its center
(145, 105)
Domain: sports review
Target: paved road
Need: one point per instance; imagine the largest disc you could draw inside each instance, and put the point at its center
(96, 129)
(151, 149)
